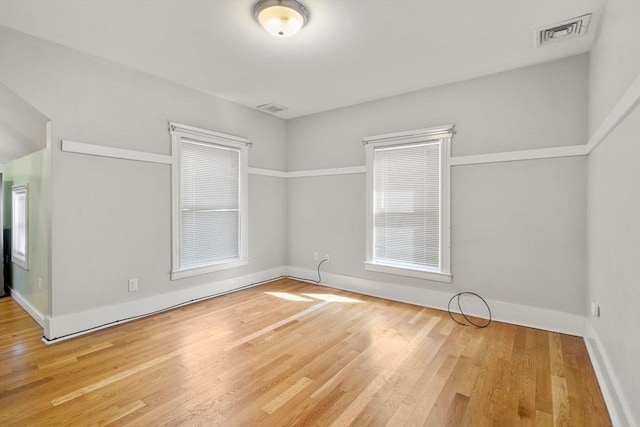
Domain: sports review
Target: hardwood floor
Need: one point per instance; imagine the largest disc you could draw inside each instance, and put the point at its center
(291, 353)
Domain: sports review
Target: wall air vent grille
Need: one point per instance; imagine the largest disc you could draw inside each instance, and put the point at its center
(272, 108)
(565, 30)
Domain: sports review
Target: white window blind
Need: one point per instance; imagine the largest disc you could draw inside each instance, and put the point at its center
(19, 225)
(408, 199)
(406, 205)
(209, 203)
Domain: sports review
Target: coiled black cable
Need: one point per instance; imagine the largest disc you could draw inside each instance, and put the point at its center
(458, 295)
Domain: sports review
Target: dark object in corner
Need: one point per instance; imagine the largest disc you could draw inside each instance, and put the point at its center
(6, 262)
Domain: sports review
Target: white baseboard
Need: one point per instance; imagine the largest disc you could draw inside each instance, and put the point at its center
(59, 327)
(74, 324)
(533, 317)
(33, 312)
(617, 404)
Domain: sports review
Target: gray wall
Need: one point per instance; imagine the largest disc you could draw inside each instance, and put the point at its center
(111, 218)
(532, 107)
(614, 204)
(518, 229)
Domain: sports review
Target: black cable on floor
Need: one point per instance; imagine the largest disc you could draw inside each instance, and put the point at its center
(309, 280)
(458, 295)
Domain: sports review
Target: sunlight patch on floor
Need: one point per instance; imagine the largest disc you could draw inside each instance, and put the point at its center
(287, 296)
(332, 298)
(312, 297)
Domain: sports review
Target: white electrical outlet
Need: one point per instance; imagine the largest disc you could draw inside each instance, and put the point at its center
(315, 256)
(326, 256)
(39, 282)
(133, 285)
(595, 309)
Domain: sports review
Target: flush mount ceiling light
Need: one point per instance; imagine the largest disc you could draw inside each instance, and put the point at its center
(282, 18)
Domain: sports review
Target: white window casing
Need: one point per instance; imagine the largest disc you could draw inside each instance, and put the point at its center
(209, 201)
(20, 225)
(408, 203)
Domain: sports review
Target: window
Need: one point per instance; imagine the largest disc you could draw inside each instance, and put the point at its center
(408, 203)
(209, 174)
(20, 225)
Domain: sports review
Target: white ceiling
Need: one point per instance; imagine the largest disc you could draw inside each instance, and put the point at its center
(351, 51)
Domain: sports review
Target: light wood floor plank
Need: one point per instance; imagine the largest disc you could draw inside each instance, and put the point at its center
(283, 398)
(292, 353)
(561, 415)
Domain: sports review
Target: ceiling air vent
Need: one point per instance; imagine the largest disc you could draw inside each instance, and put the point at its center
(565, 30)
(272, 108)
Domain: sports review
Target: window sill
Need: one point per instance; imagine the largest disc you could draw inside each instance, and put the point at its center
(410, 272)
(181, 274)
(20, 262)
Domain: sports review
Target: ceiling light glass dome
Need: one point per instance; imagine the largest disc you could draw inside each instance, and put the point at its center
(282, 18)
